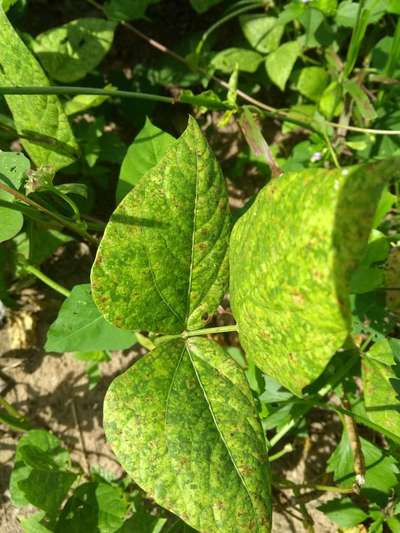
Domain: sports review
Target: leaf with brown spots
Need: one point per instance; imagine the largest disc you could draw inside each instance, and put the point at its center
(292, 256)
(183, 423)
(162, 264)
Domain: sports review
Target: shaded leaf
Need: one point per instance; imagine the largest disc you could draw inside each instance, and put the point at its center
(381, 469)
(279, 64)
(39, 117)
(147, 149)
(71, 51)
(52, 476)
(162, 263)
(197, 448)
(127, 9)
(204, 5)
(290, 268)
(80, 327)
(93, 506)
(13, 169)
(343, 512)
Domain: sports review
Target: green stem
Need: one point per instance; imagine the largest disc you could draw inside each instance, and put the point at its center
(331, 150)
(191, 99)
(48, 281)
(209, 331)
(286, 449)
(282, 432)
(62, 220)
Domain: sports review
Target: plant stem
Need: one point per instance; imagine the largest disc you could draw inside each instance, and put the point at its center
(48, 281)
(282, 432)
(286, 449)
(67, 223)
(355, 444)
(191, 99)
(209, 331)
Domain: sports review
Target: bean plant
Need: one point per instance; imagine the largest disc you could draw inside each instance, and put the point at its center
(249, 317)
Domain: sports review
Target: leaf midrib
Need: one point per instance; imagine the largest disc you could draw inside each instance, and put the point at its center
(210, 408)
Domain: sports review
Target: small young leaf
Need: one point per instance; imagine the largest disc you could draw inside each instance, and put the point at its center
(246, 60)
(262, 32)
(379, 380)
(279, 64)
(71, 51)
(38, 117)
(201, 407)
(162, 263)
(294, 314)
(147, 149)
(80, 327)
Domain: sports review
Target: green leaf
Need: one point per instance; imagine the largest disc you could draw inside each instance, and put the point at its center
(328, 7)
(6, 4)
(11, 222)
(385, 204)
(381, 401)
(127, 9)
(331, 103)
(45, 480)
(93, 506)
(381, 469)
(80, 327)
(343, 512)
(13, 169)
(162, 263)
(197, 446)
(312, 82)
(279, 64)
(262, 32)
(293, 314)
(201, 6)
(32, 523)
(71, 51)
(38, 117)
(246, 60)
(147, 149)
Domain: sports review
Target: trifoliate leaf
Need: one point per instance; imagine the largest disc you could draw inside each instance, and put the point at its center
(197, 447)
(292, 256)
(162, 263)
